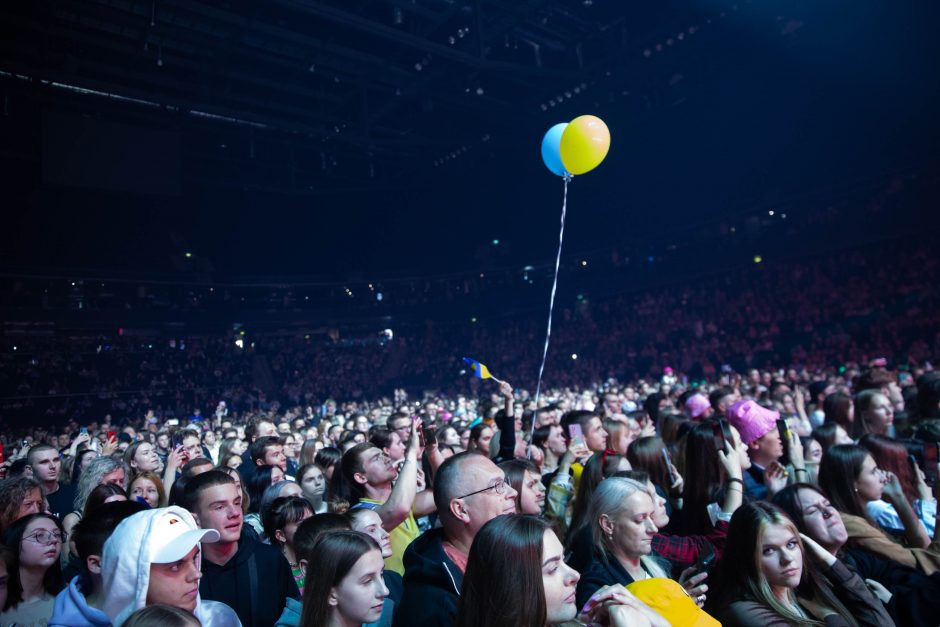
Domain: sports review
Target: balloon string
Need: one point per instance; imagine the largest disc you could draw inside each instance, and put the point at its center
(551, 307)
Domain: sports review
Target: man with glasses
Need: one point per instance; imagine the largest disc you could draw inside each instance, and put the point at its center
(469, 491)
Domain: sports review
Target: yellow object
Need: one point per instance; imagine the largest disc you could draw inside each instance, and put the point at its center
(672, 602)
(584, 144)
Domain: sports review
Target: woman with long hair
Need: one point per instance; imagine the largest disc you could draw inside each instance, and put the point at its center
(346, 589)
(280, 522)
(142, 457)
(328, 459)
(82, 459)
(149, 487)
(525, 479)
(230, 447)
(104, 493)
(368, 522)
(598, 467)
(714, 476)
(767, 578)
(830, 434)
(308, 452)
(516, 576)
(35, 577)
(312, 482)
(839, 409)
(481, 439)
(101, 470)
(911, 598)
(873, 414)
(892, 457)
(647, 454)
(850, 477)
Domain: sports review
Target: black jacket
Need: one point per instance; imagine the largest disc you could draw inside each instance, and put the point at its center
(255, 583)
(432, 584)
(604, 572)
(915, 597)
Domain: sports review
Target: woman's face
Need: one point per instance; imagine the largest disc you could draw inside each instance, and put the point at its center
(559, 581)
(146, 458)
(163, 441)
(276, 474)
(239, 447)
(814, 452)
(465, 439)
(532, 494)
(483, 443)
(32, 504)
(823, 522)
(289, 451)
(87, 458)
(870, 482)
(313, 483)
(36, 554)
(360, 595)
(286, 535)
(880, 415)
(660, 516)
(781, 557)
(145, 489)
(450, 437)
(740, 448)
(369, 523)
(234, 461)
(633, 527)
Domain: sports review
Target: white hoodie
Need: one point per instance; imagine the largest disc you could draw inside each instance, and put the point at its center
(126, 559)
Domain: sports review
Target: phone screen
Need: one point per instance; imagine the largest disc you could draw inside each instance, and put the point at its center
(784, 431)
(577, 436)
(930, 463)
(112, 435)
(668, 461)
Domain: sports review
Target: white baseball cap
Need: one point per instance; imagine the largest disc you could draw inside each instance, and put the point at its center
(174, 534)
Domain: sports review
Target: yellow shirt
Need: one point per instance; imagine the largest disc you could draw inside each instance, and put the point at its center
(400, 537)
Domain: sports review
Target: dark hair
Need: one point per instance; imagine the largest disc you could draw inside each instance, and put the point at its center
(788, 499)
(258, 480)
(502, 585)
(540, 435)
(381, 437)
(673, 427)
(77, 462)
(704, 479)
(195, 486)
(647, 454)
(928, 395)
(308, 452)
(283, 511)
(863, 402)
(714, 398)
(598, 467)
(838, 470)
(93, 530)
(195, 462)
(328, 456)
(335, 555)
(100, 494)
(161, 615)
(13, 492)
(344, 485)
(225, 449)
(52, 579)
(739, 576)
(312, 529)
(515, 470)
(891, 455)
(836, 408)
(257, 448)
(825, 434)
(580, 417)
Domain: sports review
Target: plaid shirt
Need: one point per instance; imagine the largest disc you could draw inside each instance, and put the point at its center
(683, 551)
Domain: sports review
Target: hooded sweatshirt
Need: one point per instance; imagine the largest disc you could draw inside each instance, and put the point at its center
(125, 569)
(432, 584)
(72, 609)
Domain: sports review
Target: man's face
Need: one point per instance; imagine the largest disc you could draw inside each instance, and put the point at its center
(265, 429)
(163, 441)
(274, 456)
(45, 465)
(377, 467)
(115, 477)
(594, 435)
(192, 447)
(220, 508)
(482, 507)
(401, 426)
(176, 584)
(767, 448)
(63, 440)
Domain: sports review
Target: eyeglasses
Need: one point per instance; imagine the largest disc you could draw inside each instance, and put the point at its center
(499, 487)
(47, 537)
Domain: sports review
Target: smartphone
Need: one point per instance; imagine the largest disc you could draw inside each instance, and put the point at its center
(576, 435)
(428, 434)
(672, 477)
(719, 437)
(784, 430)
(706, 559)
(173, 422)
(112, 435)
(930, 463)
(83, 431)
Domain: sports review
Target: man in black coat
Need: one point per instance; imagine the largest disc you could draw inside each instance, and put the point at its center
(469, 491)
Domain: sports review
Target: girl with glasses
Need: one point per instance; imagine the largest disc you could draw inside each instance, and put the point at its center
(35, 577)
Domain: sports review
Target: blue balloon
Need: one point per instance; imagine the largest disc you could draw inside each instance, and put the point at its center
(551, 149)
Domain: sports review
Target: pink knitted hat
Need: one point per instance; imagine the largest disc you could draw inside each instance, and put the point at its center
(751, 420)
(697, 405)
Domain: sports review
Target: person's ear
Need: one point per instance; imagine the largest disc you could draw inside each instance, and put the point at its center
(196, 518)
(93, 563)
(332, 599)
(360, 478)
(279, 536)
(303, 567)
(259, 462)
(754, 446)
(458, 509)
(606, 525)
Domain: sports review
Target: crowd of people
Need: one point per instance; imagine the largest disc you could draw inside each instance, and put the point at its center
(770, 496)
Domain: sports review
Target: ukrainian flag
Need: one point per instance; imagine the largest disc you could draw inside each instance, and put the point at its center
(479, 370)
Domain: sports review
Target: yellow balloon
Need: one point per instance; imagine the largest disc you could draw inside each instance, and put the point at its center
(584, 144)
